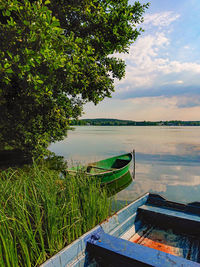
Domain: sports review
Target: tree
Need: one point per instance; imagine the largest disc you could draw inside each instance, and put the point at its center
(55, 57)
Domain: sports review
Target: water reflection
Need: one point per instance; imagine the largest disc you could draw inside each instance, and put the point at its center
(120, 184)
(175, 182)
(167, 158)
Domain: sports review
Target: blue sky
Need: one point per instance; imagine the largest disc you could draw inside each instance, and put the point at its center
(163, 68)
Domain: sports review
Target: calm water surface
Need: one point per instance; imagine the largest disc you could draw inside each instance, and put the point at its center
(167, 158)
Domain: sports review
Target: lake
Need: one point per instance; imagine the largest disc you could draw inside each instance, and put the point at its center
(167, 158)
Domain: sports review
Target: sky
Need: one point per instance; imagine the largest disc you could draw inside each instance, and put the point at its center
(162, 79)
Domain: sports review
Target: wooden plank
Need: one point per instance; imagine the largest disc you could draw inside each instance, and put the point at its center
(168, 241)
(162, 240)
(99, 168)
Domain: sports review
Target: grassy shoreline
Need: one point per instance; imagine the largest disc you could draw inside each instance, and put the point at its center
(41, 213)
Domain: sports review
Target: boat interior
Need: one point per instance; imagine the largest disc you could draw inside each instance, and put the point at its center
(162, 230)
(169, 235)
(117, 164)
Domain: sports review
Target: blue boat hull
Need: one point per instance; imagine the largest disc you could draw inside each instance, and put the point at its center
(148, 232)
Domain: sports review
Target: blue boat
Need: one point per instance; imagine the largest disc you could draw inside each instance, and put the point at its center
(151, 231)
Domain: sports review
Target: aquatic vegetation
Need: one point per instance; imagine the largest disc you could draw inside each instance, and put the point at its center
(40, 213)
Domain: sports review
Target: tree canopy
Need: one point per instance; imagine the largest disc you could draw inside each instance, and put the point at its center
(55, 57)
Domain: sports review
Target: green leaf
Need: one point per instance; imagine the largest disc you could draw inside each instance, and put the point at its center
(26, 22)
(10, 55)
(7, 65)
(9, 71)
(7, 13)
(40, 81)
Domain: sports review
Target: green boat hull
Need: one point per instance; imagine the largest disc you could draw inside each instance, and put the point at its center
(107, 170)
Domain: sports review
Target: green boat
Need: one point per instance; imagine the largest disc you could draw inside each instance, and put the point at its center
(108, 170)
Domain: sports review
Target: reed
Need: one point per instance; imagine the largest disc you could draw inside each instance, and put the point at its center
(40, 213)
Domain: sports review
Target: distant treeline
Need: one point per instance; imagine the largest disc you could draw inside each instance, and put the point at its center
(115, 122)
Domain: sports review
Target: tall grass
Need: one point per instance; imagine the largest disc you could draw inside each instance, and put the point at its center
(41, 213)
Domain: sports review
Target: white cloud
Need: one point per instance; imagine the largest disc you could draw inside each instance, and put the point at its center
(143, 61)
(150, 63)
(146, 55)
(146, 46)
(161, 19)
(178, 67)
(148, 59)
(175, 82)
